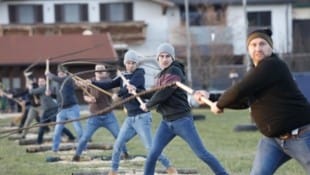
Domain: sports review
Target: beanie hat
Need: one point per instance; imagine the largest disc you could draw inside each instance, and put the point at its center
(166, 48)
(261, 33)
(61, 68)
(131, 55)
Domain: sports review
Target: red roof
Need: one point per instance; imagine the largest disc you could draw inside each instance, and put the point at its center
(21, 50)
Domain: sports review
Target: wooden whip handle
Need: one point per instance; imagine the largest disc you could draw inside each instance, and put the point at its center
(191, 91)
(127, 83)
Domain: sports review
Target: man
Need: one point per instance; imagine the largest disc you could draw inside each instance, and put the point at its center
(172, 104)
(279, 109)
(98, 101)
(68, 107)
(48, 110)
(137, 122)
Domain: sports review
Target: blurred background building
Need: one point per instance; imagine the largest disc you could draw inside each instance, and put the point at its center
(217, 30)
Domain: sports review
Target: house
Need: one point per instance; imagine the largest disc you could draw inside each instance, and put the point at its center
(129, 22)
(20, 54)
(217, 29)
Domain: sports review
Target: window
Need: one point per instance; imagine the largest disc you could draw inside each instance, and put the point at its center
(71, 13)
(16, 82)
(116, 12)
(258, 20)
(204, 14)
(25, 14)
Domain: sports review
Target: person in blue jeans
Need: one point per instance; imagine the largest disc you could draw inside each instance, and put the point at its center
(172, 104)
(137, 122)
(279, 109)
(68, 107)
(98, 101)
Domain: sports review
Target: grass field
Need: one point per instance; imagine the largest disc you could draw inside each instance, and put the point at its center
(235, 150)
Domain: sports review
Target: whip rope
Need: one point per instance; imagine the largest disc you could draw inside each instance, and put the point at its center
(109, 108)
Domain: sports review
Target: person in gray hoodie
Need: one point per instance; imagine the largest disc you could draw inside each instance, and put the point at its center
(48, 110)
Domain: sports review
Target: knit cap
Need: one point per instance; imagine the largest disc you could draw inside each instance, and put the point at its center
(166, 48)
(261, 33)
(62, 68)
(131, 55)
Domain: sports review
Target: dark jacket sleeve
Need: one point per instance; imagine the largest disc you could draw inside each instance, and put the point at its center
(37, 91)
(108, 84)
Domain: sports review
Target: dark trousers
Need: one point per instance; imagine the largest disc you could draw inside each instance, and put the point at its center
(50, 116)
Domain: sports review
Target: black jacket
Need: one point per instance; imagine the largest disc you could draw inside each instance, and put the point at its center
(171, 102)
(277, 105)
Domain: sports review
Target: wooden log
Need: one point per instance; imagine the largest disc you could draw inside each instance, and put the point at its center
(100, 146)
(15, 137)
(66, 147)
(181, 171)
(33, 141)
(91, 173)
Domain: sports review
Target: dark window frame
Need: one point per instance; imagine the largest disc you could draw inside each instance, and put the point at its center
(105, 12)
(60, 11)
(14, 13)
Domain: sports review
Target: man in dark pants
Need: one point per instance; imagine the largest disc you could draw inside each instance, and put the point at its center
(49, 109)
(279, 109)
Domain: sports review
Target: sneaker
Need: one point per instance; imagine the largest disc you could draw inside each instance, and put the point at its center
(112, 173)
(76, 158)
(125, 156)
(171, 171)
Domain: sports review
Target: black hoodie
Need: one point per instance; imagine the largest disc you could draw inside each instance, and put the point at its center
(171, 102)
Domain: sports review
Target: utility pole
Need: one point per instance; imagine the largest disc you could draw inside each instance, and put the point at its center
(188, 45)
(245, 13)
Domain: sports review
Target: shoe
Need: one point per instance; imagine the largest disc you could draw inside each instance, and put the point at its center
(171, 171)
(125, 156)
(112, 173)
(76, 158)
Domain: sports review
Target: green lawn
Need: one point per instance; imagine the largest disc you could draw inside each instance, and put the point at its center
(235, 150)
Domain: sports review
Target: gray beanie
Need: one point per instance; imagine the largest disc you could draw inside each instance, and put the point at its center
(166, 48)
(131, 55)
(61, 68)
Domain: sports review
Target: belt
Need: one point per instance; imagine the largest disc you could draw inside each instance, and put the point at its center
(294, 133)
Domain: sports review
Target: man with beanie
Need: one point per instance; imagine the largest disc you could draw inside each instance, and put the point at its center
(279, 109)
(173, 105)
(137, 122)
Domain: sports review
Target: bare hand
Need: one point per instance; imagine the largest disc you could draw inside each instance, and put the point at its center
(131, 89)
(215, 109)
(48, 92)
(199, 94)
(89, 99)
(143, 107)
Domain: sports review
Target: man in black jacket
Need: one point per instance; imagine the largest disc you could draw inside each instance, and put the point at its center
(279, 109)
(173, 105)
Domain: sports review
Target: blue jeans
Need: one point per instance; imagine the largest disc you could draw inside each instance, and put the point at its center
(70, 113)
(185, 128)
(107, 121)
(50, 116)
(273, 152)
(141, 125)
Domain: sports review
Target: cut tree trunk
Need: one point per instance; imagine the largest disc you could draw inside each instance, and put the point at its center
(33, 141)
(66, 147)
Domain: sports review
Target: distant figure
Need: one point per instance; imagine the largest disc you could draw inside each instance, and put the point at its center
(233, 75)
